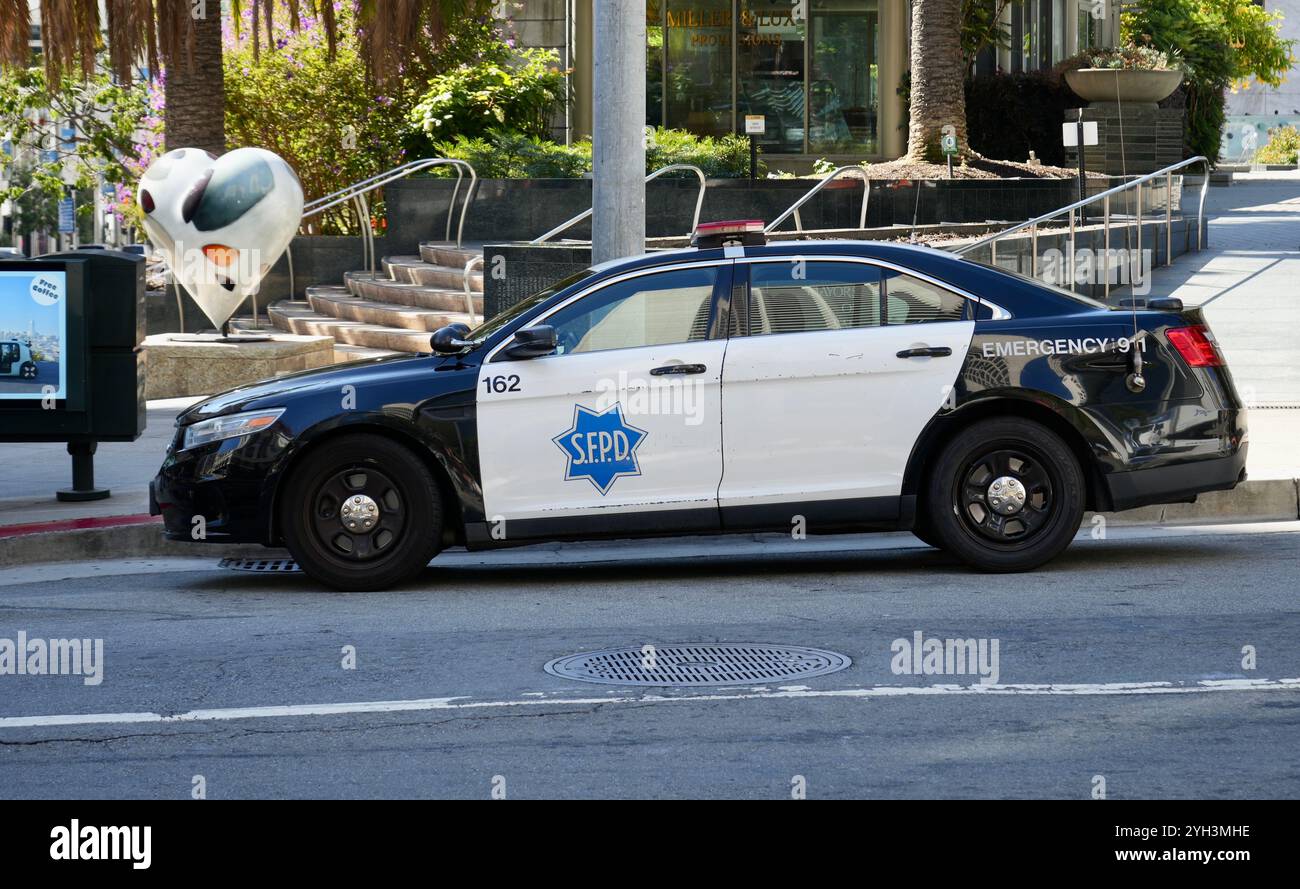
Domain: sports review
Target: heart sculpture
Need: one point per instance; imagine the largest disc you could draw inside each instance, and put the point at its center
(221, 222)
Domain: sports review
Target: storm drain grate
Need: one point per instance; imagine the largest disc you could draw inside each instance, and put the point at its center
(691, 666)
(262, 566)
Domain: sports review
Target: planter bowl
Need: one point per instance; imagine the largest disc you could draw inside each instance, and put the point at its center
(1122, 85)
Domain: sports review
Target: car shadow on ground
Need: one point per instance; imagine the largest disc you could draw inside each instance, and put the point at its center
(1123, 557)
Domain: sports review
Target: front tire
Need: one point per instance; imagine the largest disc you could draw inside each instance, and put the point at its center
(362, 512)
(28, 371)
(1006, 494)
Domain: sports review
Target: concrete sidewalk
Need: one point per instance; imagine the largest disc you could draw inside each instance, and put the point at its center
(1247, 280)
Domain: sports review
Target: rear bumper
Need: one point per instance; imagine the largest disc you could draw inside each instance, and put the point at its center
(1178, 483)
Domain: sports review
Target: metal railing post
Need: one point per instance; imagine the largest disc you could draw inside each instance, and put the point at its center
(1073, 251)
(1169, 219)
(1138, 189)
(1033, 247)
(1105, 253)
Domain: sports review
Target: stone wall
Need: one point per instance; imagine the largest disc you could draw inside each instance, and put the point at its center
(1152, 138)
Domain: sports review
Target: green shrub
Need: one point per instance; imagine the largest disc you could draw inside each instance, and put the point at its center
(494, 94)
(723, 157)
(1283, 146)
(504, 154)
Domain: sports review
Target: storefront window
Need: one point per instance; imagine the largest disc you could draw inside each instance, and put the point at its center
(712, 62)
(770, 72)
(698, 73)
(654, 63)
(843, 102)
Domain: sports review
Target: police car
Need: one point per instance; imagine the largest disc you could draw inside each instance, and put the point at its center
(737, 386)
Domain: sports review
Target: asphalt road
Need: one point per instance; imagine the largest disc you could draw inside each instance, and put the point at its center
(47, 374)
(468, 644)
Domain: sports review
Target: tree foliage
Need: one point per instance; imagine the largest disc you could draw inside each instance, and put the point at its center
(66, 137)
(1219, 44)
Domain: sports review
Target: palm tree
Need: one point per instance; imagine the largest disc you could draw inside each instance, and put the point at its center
(185, 37)
(938, 96)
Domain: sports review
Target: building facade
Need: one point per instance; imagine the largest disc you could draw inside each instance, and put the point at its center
(1253, 110)
(824, 74)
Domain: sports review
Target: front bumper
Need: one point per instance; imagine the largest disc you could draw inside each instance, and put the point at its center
(229, 485)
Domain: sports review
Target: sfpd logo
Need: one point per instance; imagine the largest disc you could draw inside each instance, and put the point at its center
(601, 447)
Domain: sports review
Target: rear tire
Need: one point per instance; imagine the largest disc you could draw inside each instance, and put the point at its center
(1006, 494)
(362, 512)
(28, 371)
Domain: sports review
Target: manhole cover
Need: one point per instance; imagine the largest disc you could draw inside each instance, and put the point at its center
(690, 666)
(262, 566)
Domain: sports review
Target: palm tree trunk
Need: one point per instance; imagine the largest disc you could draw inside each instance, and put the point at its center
(196, 94)
(938, 97)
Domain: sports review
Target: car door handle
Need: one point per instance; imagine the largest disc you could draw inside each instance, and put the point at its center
(678, 369)
(926, 352)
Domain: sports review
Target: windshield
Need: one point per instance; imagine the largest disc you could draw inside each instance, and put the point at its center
(495, 323)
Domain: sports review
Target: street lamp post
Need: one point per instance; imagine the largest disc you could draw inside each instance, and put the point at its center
(618, 129)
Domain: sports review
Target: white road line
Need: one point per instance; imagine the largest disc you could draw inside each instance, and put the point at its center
(292, 711)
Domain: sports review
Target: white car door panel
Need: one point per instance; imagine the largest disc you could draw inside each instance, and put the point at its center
(614, 424)
(831, 414)
(818, 403)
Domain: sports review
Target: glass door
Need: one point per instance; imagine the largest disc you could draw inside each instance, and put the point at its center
(843, 97)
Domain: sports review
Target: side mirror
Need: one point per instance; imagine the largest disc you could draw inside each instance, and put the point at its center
(532, 342)
(450, 339)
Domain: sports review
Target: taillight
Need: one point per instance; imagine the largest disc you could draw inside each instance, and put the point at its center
(1196, 345)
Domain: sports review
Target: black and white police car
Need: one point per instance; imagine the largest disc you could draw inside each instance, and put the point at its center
(736, 386)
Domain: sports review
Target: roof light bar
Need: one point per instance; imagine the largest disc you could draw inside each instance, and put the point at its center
(729, 233)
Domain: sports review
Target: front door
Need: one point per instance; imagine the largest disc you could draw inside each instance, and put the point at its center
(619, 430)
(834, 369)
(8, 358)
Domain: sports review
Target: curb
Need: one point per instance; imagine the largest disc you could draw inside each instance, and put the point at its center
(128, 537)
(119, 537)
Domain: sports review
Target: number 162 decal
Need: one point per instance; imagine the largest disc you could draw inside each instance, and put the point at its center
(508, 383)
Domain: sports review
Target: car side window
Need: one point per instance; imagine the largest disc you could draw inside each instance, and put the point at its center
(910, 300)
(649, 310)
(800, 296)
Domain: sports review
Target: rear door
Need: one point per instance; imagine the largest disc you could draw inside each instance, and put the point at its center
(619, 430)
(834, 368)
(8, 357)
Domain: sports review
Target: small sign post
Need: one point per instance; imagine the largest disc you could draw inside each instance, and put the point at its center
(755, 126)
(1077, 135)
(948, 145)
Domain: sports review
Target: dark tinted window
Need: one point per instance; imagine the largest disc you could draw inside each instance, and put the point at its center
(800, 296)
(648, 310)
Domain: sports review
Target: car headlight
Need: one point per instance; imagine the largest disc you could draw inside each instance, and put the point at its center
(229, 426)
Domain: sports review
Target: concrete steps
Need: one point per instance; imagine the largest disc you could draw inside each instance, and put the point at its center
(347, 307)
(391, 311)
(296, 316)
(382, 289)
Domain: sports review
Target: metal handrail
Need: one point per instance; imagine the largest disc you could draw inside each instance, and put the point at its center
(1105, 197)
(358, 189)
(695, 223)
(794, 208)
(469, 294)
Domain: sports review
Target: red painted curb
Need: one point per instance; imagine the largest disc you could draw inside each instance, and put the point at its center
(77, 525)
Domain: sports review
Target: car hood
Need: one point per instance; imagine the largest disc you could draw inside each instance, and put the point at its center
(280, 391)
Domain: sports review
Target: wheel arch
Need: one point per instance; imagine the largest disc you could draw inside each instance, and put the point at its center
(453, 525)
(1070, 424)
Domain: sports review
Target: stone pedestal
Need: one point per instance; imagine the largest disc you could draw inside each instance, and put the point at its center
(1152, 138)
(181, 369)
